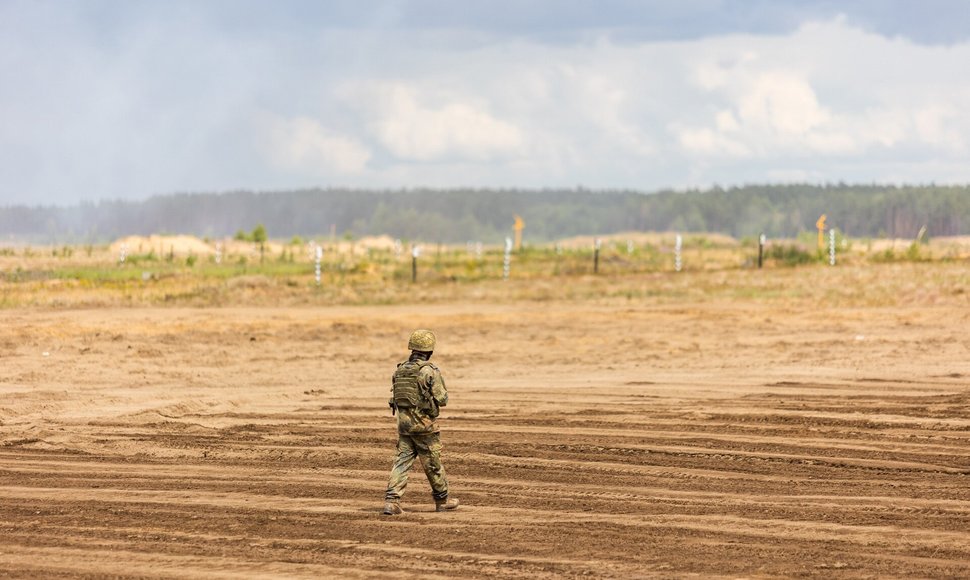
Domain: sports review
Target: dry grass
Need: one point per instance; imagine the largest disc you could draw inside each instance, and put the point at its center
(87, 276)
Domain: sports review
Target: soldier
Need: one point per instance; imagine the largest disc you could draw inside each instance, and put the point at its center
(417, 392)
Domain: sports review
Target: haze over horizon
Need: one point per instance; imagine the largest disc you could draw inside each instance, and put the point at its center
(124, 100)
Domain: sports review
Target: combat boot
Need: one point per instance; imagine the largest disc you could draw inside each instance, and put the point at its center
(392, 508)
(445, 504)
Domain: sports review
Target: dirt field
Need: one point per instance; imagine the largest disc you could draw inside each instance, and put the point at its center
(817, 434)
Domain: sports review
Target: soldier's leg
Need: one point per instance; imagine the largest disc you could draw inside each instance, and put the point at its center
(399, 471)
(429, 451)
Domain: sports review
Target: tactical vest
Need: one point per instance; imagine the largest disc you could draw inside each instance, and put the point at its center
(407, 389)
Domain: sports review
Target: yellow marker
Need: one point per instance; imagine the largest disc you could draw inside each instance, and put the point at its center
(820, 224)
(519, 226)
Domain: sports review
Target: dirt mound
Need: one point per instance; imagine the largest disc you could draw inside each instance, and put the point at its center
(377, 243)
(651, 238)
(952, 246)
(230, 247)
(383, 243)
(163, 245)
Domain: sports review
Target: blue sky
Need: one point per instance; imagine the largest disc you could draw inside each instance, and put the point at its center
(126, 99)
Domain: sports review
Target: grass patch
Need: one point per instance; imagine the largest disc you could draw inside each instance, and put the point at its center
(539, 273)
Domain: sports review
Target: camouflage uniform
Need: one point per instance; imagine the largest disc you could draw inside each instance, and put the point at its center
(417, 428)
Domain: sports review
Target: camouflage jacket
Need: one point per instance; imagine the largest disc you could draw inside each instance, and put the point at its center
(422, 419)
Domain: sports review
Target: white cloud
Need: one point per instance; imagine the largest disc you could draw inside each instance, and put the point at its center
(781, 103)
(939, 125)
(412, 128)
(304, 144)
(770, 112)
(711, 142)
(771, 109)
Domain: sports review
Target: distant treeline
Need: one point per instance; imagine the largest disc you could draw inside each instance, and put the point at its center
(471, 214)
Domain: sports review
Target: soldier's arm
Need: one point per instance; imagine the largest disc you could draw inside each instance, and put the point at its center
(438, 389)
(390, 401)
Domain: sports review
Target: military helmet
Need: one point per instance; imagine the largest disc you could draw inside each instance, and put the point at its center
(422, 340)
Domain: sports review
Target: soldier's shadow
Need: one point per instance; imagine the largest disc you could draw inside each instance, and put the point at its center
(415, 509)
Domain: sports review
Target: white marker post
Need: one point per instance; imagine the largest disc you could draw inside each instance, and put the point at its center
(218, 253)
(318, 255)
(398, 248)
(478, 250)
(415, 252)
(124, 254)
(629, 247)
(832, 247)
(678, 246)
(507, 263)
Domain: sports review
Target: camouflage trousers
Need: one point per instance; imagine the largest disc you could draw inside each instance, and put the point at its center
(428, 449)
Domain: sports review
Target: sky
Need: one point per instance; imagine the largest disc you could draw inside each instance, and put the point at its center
(126, 99)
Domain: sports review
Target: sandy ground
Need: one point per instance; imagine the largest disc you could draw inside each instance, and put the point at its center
(722, 437)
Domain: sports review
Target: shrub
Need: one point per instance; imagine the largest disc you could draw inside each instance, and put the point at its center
(789, 254)
(259, 234)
